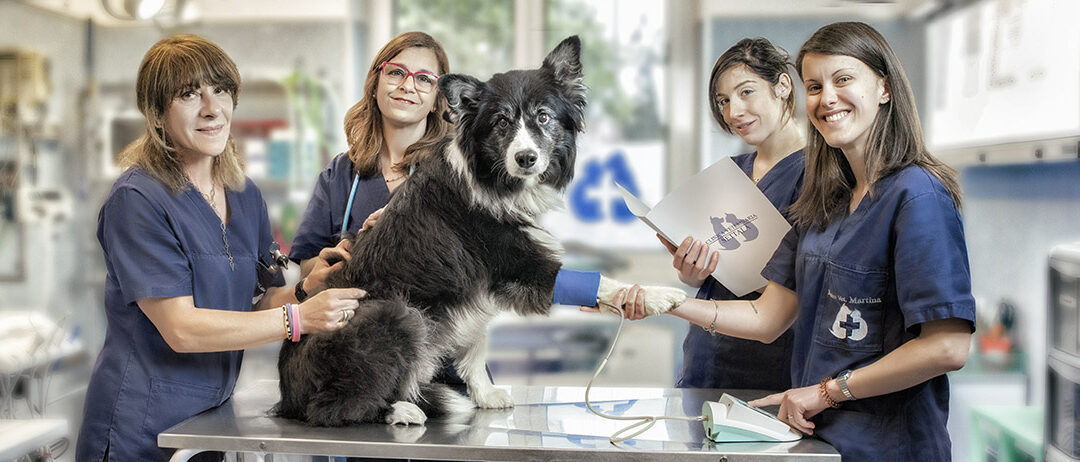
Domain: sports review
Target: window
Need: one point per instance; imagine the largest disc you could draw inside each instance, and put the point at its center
(478, 35)
(623, 46)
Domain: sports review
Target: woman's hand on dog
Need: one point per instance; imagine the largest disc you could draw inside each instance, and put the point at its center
(692, 260)
(329, 310)
(371, 219)
(330, 259)
(631, 300)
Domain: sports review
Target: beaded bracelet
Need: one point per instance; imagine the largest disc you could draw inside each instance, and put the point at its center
(824, 389)
(286, 321)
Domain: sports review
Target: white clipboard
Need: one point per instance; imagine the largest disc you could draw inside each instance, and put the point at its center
(723, 208)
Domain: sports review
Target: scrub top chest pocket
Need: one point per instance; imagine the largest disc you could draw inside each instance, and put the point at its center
(851, 311)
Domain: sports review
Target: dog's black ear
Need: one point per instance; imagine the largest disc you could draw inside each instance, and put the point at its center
(565, 59)
(565, 62)
(462, 92)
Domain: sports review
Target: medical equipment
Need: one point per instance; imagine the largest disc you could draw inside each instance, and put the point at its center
(726, 421)
(731, 420)
(352, 195)
(27, 339)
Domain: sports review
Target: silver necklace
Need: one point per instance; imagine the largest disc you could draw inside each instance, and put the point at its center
(213, 205)
(210, 198)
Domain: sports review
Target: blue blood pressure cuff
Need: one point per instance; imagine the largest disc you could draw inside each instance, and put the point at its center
(576, 287)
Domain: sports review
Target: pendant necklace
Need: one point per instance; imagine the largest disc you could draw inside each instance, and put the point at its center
(396, 178)
(209, 198)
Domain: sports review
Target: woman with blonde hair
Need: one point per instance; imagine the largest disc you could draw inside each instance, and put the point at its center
(187, 245)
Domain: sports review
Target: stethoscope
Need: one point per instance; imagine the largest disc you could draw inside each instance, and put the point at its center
(352, 196)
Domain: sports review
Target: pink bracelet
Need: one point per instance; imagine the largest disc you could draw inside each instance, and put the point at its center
(295, 310)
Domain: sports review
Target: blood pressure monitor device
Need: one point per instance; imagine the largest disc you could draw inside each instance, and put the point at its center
(732, 420)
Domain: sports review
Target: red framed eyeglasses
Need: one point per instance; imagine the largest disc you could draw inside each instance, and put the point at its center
(395, 74)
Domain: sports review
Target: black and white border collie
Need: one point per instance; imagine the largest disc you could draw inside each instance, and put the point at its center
(456, 244)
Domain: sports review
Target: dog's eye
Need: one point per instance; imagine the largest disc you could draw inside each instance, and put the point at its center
(543, 118)
(502, 124)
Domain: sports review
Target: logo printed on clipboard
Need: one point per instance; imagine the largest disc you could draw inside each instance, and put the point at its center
(731, 229)
(722, 207)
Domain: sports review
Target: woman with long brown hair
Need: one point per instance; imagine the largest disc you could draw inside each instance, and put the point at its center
(398, 120)
(874, 275)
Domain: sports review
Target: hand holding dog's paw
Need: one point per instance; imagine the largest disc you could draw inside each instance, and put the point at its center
(406, 413)
(659, 300)
(638, 302)
(494, 398)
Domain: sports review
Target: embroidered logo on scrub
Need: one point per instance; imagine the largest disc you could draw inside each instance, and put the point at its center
(849, 324)
(730, 228)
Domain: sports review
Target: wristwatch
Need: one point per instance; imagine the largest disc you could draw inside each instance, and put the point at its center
(299, 291)
(841, 380)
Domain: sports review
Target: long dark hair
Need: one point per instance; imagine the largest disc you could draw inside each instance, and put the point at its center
(896, 139)
(762, 58)
(363, 121)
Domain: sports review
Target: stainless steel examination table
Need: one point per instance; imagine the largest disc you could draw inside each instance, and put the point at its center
(547, 423)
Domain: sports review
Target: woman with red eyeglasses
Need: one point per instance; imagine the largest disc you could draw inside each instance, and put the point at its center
(396, 122)
(398, 118)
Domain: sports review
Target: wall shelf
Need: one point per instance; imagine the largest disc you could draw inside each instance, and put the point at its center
(1047, 150)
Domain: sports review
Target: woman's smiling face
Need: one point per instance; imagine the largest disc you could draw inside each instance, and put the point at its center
(751, 106)
(198, 121)
(401, 104)
(843, 97)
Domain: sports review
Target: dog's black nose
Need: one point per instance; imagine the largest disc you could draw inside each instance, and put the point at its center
(526, 158)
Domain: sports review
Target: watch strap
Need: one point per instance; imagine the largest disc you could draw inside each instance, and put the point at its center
(841, 380)
(301, 295)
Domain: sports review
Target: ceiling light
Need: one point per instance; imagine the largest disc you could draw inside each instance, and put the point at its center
(133, 9)
(143, 9)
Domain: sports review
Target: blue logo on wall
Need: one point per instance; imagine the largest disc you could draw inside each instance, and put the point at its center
(595, 188)
(730, 229)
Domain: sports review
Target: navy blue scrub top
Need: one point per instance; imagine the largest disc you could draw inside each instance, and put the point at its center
(722, 361)
(325, 212)
(158, 244)
(865, 284)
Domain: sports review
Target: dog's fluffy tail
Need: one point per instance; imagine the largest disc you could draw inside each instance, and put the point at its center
(440, 400)
(356, 373)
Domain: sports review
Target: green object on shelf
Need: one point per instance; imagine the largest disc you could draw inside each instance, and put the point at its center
(1007, 433)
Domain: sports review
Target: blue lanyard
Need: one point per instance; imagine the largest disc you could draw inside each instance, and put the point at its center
(348, 207)
(352, 195)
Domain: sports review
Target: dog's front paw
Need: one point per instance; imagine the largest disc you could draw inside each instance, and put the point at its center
(660, 300)
(494, 398)
(405, 413)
